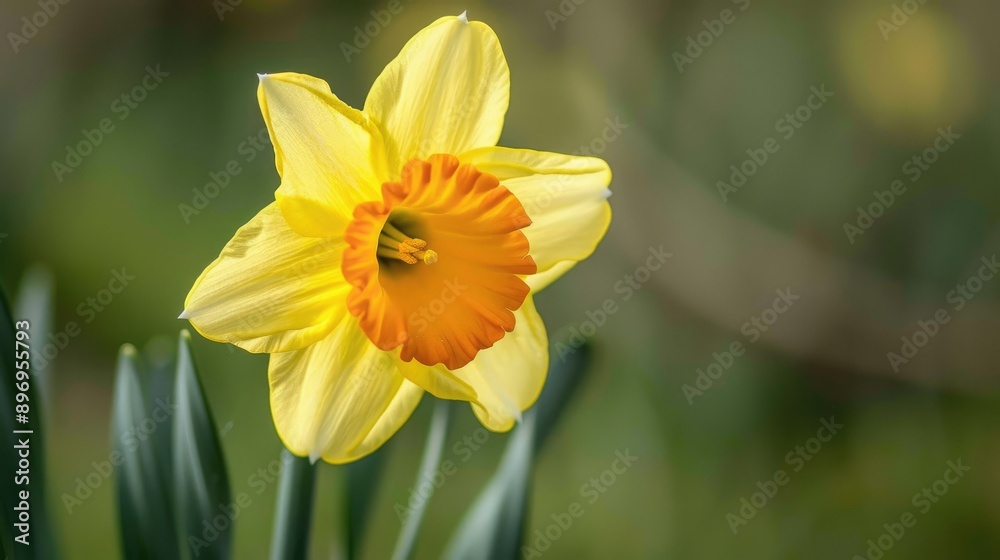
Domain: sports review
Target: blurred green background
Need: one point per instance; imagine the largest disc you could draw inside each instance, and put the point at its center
(677, 126)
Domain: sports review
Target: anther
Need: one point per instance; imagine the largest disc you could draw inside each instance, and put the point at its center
(409, 250)
(429, 256)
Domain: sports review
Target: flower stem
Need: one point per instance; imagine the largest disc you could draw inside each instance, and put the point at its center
(429, 464)
(293, 515)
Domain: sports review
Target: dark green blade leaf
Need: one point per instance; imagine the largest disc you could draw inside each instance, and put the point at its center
(40, 535)
(494, 525)
(144, 507)
(159, 355)
(293, 514)
(204, 504)
(361, 480)
(493, 528)
(428, 466)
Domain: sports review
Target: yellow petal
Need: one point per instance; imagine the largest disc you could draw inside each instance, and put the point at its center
(502, 381)
(271, 290)
(541, 280)
(446, 92)
(339, 399)
(329, 155)
(437, 380)
(565, 197)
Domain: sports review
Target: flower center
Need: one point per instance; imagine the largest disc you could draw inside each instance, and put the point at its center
(393, 244)
(465, 224)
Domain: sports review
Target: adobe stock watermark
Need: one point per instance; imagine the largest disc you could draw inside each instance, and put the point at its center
(363, 34)
(130, 440)
(610, 134)
(31, 25)
(899, 17)
(752, 329)
(87, 310)
(122, 107)
(698, 43)
(787, 126)
(767, 489)
(424, 489)
(913, 168)
(258, 481)
(923, 501)
(591, 491)
(626, 287)
(958, 297)
(225, 7)
(563, 10)
(249, 148)
(421, 319)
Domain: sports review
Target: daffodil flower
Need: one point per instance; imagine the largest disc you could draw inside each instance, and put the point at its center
(402, 250)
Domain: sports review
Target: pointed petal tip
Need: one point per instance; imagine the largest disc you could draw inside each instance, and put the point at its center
(184, 315)
(314, 456)
(464, 17)
(606, 193)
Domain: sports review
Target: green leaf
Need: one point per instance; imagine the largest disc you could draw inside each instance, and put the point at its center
(40, 537)
(144, 507)
(293, 514)
(428, 467)
(361, 481)
(494, 525)
(493, 528)
(205, 510)
(159, 355)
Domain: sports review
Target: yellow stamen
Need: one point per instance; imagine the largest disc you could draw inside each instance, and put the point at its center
(391, 231)
(416, 243)
(387, 253)
(392, 235)
(386, 241)
(408, 249)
